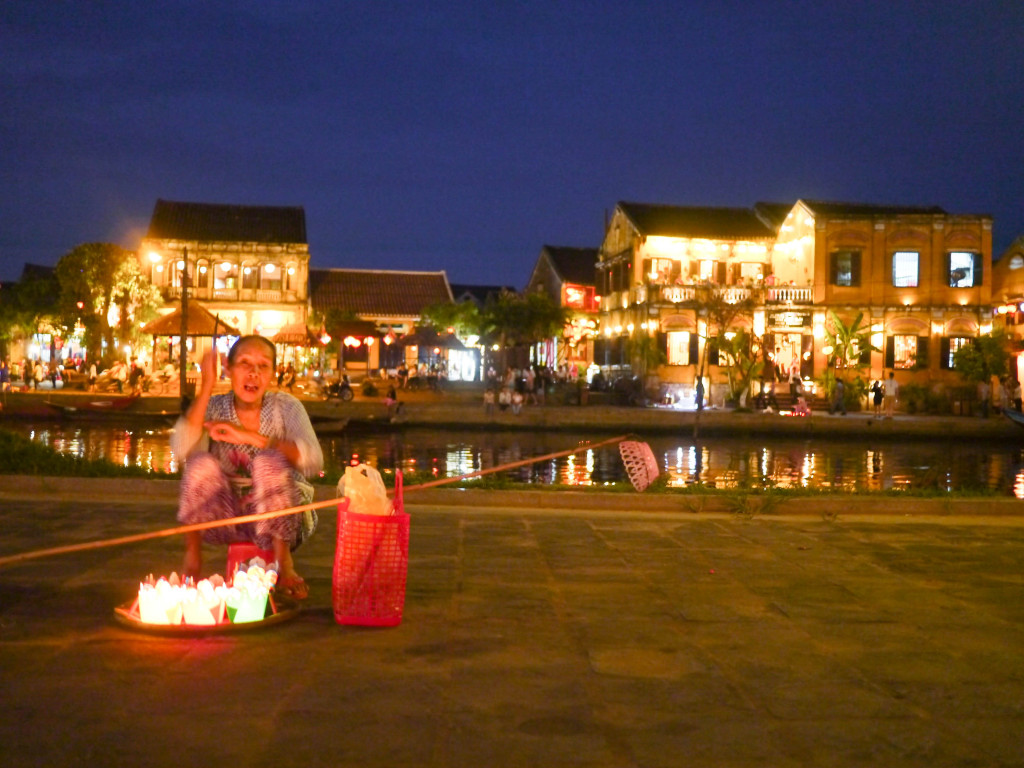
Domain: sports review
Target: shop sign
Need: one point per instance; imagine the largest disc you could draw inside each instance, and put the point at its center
(789, 319)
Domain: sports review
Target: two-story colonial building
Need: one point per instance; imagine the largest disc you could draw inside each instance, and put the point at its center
(247, 264)
(919, 276)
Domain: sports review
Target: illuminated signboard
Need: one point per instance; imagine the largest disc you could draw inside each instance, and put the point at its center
(579, 297)
(789, 319)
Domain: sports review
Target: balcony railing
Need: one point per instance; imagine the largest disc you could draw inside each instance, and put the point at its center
(788, 294)
(731, 294)
(682, 294)
(171, 292)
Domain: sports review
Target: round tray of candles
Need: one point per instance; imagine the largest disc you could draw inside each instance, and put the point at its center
(279, 610)
(168, 607)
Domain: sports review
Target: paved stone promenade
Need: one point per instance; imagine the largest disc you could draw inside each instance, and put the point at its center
(537, 638)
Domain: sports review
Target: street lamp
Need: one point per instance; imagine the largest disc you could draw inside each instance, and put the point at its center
(183, 336)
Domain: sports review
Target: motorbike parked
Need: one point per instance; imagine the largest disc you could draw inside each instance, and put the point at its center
(339, 388)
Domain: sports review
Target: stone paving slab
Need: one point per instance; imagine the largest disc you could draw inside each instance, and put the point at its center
(537, 637)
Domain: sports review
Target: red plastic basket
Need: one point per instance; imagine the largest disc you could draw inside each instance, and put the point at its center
(371, 563)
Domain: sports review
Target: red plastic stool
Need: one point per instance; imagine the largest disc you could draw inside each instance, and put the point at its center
(243, 553)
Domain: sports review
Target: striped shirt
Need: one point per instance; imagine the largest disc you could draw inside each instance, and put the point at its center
(282, 417)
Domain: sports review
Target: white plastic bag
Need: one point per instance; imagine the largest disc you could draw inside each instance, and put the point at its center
(363, 487)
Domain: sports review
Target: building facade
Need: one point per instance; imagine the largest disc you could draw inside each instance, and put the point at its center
(566, 275)
(246, 264)
(1008, 301)
(920, 277)
(393, 300)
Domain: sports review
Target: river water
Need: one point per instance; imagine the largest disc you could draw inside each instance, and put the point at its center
(721, 462)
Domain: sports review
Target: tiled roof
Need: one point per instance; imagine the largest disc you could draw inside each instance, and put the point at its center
(867, 211)
(773, 214)
(227, 223)
(681, 221)
(377, 293)
(573, 265)
(200, 323)
(479, 294)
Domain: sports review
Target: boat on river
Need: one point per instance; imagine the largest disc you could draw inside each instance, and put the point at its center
(108, 408)
(326, 426)
(1015, 416)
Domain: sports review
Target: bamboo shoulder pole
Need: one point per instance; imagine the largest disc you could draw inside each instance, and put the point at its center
(103, 543)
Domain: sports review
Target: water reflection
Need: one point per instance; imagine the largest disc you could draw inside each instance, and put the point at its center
(846, 465)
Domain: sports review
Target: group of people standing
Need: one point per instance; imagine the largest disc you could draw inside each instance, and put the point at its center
(433, 375)
(884, 393)
(518, 387)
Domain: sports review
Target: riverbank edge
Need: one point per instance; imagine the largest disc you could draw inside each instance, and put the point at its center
(826, 506)
(461, 410)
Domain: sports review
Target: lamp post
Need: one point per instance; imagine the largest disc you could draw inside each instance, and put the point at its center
(183, 336)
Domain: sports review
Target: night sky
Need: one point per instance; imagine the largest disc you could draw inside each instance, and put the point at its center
(464, 136)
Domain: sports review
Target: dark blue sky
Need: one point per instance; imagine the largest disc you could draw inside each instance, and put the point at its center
(464, 136)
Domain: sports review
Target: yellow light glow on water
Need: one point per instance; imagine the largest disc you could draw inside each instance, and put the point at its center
(1018, 485)
(807, 470)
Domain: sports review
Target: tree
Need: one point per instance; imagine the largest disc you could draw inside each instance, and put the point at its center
(26, 305)
(719, 313)
(464, 317)
(98, 280)
(985, 357)
(513, 320)
(845, 344)
(744, 363)
(645, 352)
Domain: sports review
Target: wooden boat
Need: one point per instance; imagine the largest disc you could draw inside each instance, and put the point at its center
(327, 426)
(1015, 416)
(108, 408)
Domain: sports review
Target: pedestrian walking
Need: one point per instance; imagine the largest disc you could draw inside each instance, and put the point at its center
(892, 392)
(984, 397)
(839, 398)
(877, 395)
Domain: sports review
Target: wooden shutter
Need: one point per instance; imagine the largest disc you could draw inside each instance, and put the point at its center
(694, 349)
(979, 264)
(890, 352)
(855, 268)
(944, 353)
(922, 351)
(833, 268)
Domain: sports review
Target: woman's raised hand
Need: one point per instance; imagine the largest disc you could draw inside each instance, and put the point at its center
(208, 368)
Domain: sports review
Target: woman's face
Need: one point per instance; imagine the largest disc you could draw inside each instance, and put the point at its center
(251, 372)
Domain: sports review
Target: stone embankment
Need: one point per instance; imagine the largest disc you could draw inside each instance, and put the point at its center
(462, 408)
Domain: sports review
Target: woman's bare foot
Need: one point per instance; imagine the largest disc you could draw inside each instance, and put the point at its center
(289, 583)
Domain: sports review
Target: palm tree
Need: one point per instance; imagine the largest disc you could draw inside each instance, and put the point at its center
(845, 344)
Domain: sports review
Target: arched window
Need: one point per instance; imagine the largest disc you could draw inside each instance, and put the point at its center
(225, 276)
(250, 277)
(202, 275)
(270, 276)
